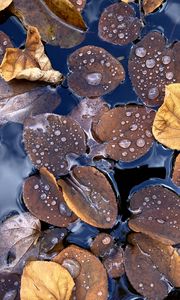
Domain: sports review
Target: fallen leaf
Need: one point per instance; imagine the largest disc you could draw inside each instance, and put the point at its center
(176, 171)
(166, 126)
(45, 280)
(156, 213)
(88, 272)
(51, 139)
(44, 199)
(150, 5)
(17, 233)
(4, 4)
(31, 64)
(9, 287)
(90, 196)
(51, 28)
(102, 245)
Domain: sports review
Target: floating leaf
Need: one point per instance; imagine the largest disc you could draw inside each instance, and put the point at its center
(90, 196)
(50, 140)
(31, 63)
(4, 4)
(17, 233)
(102, 245)
(114, 264)
(52, 30)
(79, 4)
(151, 66)
(45, 280)
(66, 11)
(149, 266)
(9, 287)
(166, 126)
(125, 132)
(150, 5)
(94, 72)
(44, 199)
(118, 24)
(157, 211)
(88, 273)
(176, 171)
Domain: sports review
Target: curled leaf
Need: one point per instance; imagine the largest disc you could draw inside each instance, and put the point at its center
(166, 126)
(9, 286)
(31, 64)
(4, 4)
(176, 171)
(45, 280)
(88, 273)
(90, 196)
(150, 5)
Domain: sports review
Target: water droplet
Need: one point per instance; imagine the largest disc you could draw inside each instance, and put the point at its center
(94, 78)
(133, 127)
(125, 144)
(160, 221)
(169, 75)
(166, 59)
(57, 132)
(43, 196)
(150, 63)
(120, 18)
(153, 93)
(140, 142)
(63, 139)
(121, 35)
(47, 187)
(140, 51)
(72, 266)
(36, 186)
(148, 133)
(64, 210)
(106, 240)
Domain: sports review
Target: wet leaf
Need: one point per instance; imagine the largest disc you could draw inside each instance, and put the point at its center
(88, 273)
(17, 233)
(9, 287)
(94, 72)
(102, 245)
(50, 140)
(31, 64)
(66, 11)
(90, 196)
(151, 67)
(176, 171)
(125, 132)
(44, 199)
(150, 5)
(166, 126)
(118, 24)
(4, 4)
(52, 29)
(79, 4)
(157, 212)
(114, 264)
(56, 283)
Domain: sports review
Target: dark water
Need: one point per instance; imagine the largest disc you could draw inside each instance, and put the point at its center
(154, 167)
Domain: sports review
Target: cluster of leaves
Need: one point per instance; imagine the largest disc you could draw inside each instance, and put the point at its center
(61, 192)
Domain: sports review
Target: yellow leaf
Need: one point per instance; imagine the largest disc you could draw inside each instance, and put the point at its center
(4, 4)
(150, 5)
(166, 126)
(31, 64)
(45, 280)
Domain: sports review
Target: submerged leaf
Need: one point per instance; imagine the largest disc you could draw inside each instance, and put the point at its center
(88, 272)
(9, 286)
(45, 280)
(166, 126)
(4, 4)
(176, 171)
(31, 64)
(150, 5)
(17, 233)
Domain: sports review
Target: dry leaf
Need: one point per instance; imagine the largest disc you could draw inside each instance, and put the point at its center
(17, 234)
(31, 64)
(176, 171)
(45, 280)
(4, 4)
(150, 5)
(166, 126)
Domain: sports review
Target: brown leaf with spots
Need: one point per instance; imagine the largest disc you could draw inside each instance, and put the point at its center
(31, 64)
(176, 171)
(88, 272)
(4, 4)
(118, 24)
(156, 213)
(90, 196)
(166, 126)
(51, 28)
(102, 245)
(45, 280)
(114, 263)
(51, 139)
(125, 132)
(94, 72)
(150, 5)
(9, 287)
(44, 199)
(149, 266)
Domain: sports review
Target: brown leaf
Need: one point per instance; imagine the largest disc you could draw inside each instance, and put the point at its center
(45, 280)
(31, 64)
(118, 24)
(51, 28)
(114, 263)
(157, 212)
(166, 126)
(125, 132)
(150, 5)
(44, 199)
(90, 196)
(17, 233)
(50, 140)
(9, 287)
(88, 273)
(102, 245)
(176, 171)
(94, 72)
(4, 4)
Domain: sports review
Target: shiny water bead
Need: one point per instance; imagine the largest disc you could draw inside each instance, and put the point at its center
(169, 75)
(102, 245)
(153, 93)
(94, 78)
(140, 51)
(166, 59)
(150, 63)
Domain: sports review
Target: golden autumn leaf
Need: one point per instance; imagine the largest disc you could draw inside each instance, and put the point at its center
(166, 126)
(4, 4)
(45, 280)
(31, 63)
(150, 5)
